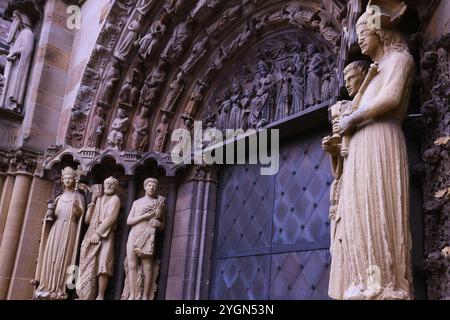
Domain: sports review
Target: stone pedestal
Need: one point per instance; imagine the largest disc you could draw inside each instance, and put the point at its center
(11, 234)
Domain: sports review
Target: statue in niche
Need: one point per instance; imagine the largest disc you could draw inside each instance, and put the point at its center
(374, 190)
(151, 41)
(285, 92)
(18, 61)
(200, 10)
(175, 46)
(354, 75)
(98, 127)
(152, 85)
(60, 239)
(198, 52)
(118, 130)
(196, 99)
(263, 104)
(314, 82)
(175, 90)
(144, 6)
(228, 16)
(298, 81)
(128, 40)
(161, 133)
(224, 111)
(145, 218)
(296, 15)
(110, 81)
(234, 120)
(139, 137)
(97, 248)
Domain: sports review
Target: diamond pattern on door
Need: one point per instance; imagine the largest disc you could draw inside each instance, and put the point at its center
(272, 233)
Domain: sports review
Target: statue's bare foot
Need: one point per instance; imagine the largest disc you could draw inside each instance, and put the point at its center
(354, 293)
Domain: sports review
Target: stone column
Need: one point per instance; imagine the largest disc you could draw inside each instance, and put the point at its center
(11, 235)
(28, 248)
(5, 200)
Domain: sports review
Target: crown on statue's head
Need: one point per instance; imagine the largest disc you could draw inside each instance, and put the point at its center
(69, 171)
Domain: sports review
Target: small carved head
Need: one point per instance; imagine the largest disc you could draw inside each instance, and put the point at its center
(354, 75)
(110, 185)
(150, 186)
(68, 177)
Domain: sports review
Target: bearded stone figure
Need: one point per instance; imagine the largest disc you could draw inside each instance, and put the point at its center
(21, 39)
(59, 241)
(145, 219)
(373, 201)
(97, 248)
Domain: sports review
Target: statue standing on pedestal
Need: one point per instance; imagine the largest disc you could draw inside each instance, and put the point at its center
(21, 39)
(97, 248)
(145, 218)
(59, 241)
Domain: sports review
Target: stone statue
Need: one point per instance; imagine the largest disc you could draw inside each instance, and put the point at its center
(323, 23)
(285, 92)
(98, 127)
(18, 60)
(175, 89)
(298, 82)
(110, 81)
(139, 137)
(144, 6)
(354, 74)
(196, 99)
(118, 130)
(150, 42)
(175, 46)
(145, 218)
(314, 84)
(234, 119)
(198, 52)
(262, 106)
(161, 133)
(151, 87)
(97, 248)
(60, 239)
(228, 16)
(373, 201)
(224, 111)
(128, 40)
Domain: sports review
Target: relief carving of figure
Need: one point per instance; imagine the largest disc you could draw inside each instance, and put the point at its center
(262, 106)
(175, 90)
(175, 46)
(228, 16)
(198, 52)
(145, 218)
(298, 82)
(234, 120)
(314, 82)
(98, 127)
(195, 100)
(60, 239)
(151, 86)
(323, 23)
(139, 137)
(128, 40)
(373, 201)
(285, 92)
(110, 81)
(97, 248)
(161, 133)
(151, 41)
(18, 60)
(118, 130)
(224, 111)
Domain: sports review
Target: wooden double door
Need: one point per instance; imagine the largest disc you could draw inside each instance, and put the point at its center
(272, 232)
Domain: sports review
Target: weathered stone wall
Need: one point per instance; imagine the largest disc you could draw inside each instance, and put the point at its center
(435, 168)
